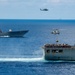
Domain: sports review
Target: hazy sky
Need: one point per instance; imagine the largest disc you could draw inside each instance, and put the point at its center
(30, 9)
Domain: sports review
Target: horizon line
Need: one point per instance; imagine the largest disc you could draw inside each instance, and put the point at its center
(37, 19)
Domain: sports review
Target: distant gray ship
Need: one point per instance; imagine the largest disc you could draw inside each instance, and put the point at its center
(11, 33)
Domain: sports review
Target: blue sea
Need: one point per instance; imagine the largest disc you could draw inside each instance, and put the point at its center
(24, 56)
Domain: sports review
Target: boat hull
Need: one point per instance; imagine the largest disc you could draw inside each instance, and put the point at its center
(65, 54)
(14, 33)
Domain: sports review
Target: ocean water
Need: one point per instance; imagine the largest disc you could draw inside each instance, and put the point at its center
(24, 56)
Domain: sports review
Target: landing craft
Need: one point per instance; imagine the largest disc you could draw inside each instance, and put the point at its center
(58, 51)
(45, 9)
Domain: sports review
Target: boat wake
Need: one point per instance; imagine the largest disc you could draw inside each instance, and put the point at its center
(33, 60)
(5, 36)
(21, 59)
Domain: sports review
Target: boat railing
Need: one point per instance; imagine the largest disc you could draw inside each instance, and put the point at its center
(57, 46)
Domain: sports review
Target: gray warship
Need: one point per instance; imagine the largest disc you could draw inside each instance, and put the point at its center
(11, 33)
(58, 51)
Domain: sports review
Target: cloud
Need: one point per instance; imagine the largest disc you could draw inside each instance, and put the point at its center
(60, 1)
(26, 2)
(37, 2)
(54, 1)
(3, 1)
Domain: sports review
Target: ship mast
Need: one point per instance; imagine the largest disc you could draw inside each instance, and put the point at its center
(56, 32)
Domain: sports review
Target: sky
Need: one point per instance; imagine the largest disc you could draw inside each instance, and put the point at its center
(30, 9)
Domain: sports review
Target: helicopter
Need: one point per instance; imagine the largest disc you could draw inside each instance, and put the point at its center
(56, 31)
(45, 9)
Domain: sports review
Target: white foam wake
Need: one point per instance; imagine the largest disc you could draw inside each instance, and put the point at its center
(21, 59)
(29, 60)
(4, 36)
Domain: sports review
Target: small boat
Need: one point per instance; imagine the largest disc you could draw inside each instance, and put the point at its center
(11, 33)
(58, 51)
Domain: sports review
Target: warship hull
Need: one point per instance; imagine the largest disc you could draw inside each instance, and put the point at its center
(13, 33)
(59, 53)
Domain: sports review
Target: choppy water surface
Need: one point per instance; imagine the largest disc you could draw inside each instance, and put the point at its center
(21, 56)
